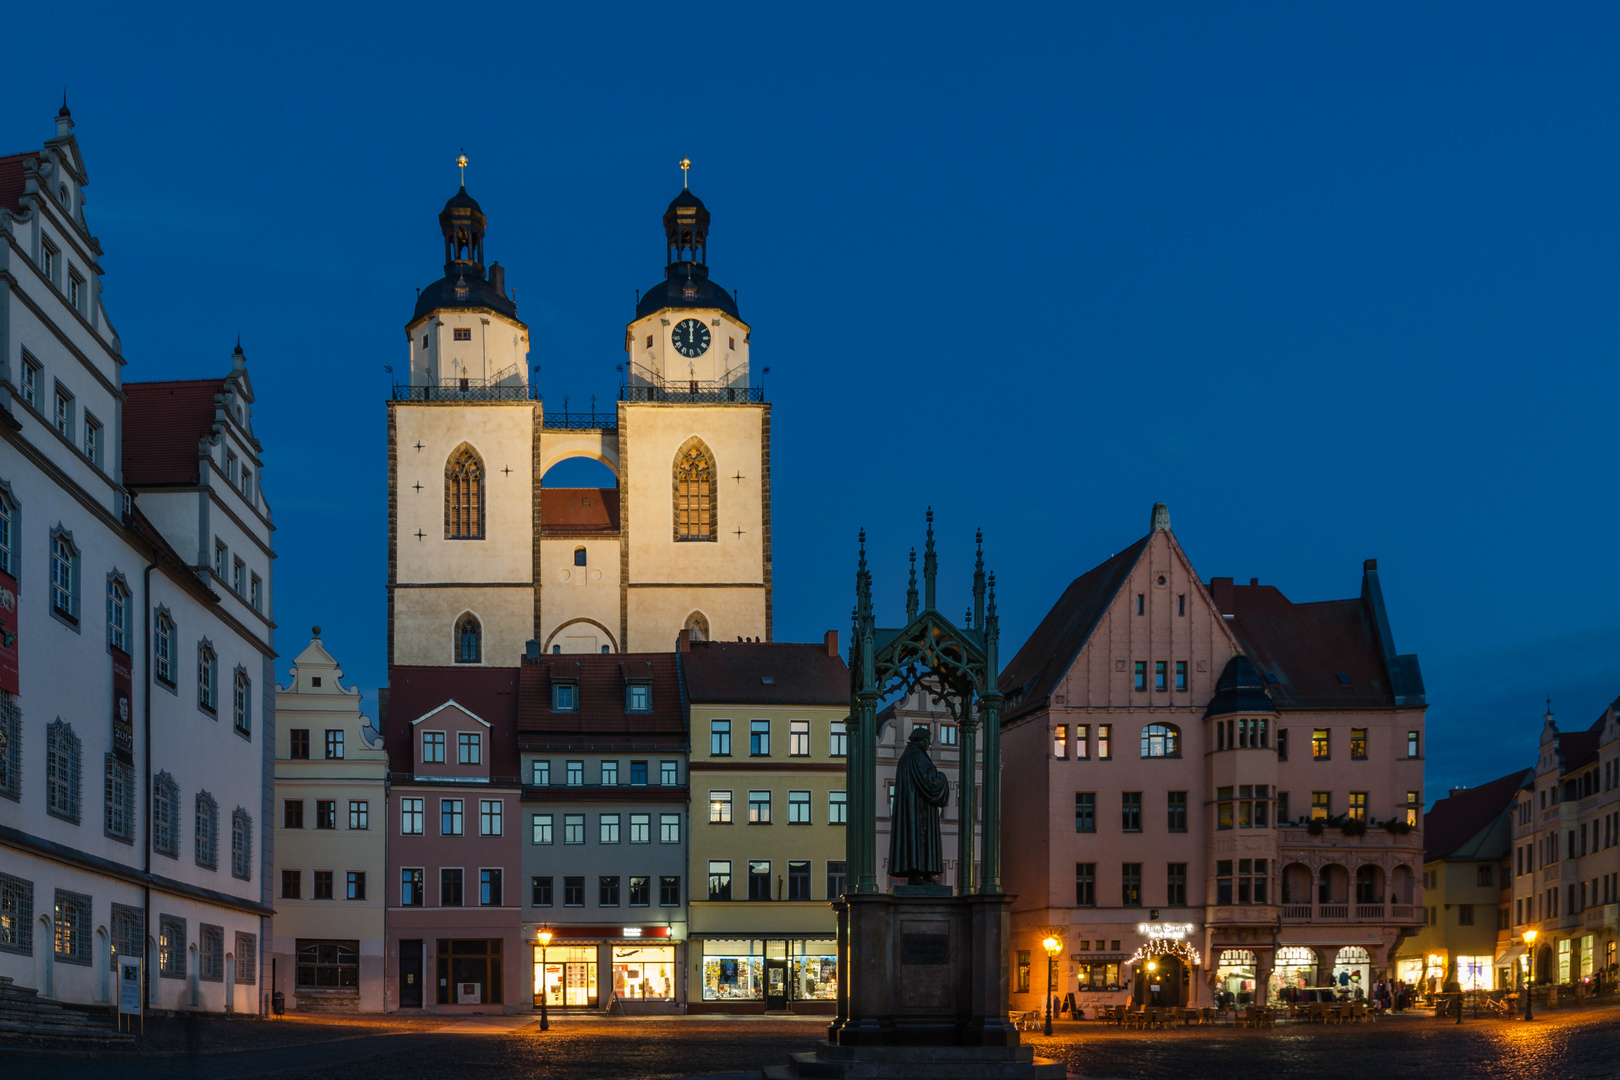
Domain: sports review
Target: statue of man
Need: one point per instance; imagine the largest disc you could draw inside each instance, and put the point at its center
(920, 792)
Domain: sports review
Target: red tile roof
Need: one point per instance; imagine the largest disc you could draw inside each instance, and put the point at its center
(765, 673)
(1580, 748)
(1460, 816)
(11, 179)
(1044, 658)
(163, 422)
(488, 693)
(602, 679)
(1302, 650)
(579, 510)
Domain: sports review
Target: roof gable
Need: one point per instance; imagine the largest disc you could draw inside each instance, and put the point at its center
(457, 707)
(1464, 823)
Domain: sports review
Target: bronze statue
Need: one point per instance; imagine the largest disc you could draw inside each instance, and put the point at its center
(920, 792)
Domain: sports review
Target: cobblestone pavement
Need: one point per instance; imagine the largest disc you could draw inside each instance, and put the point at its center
(1575, 1044)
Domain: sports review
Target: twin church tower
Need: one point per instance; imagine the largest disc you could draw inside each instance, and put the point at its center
(484, 558)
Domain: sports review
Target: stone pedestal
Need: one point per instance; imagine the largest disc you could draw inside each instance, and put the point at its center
(923, 993)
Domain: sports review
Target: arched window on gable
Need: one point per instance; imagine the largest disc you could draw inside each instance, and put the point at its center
(1161, 740)
(697, 626)
(695, 516)
(469, 640)
(464, 495)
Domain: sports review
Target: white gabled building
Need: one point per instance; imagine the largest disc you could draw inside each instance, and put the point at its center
(136, 660)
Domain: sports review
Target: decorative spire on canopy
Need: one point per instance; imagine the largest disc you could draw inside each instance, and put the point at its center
(930, 564)
(911, 593)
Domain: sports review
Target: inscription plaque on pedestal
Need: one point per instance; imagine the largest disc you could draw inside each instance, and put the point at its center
(925, 949)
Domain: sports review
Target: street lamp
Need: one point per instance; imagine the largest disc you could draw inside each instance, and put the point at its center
(545, 940)
(1054, 946)
(1530, 975)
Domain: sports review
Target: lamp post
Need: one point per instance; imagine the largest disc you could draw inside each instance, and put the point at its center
(1530, 975)
(1054, 946)
(545, 940)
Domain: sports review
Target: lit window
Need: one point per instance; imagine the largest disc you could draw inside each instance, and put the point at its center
(1161, 740)
(1060, 741)
(1319, 805)
(1358, 744)
(1319, 744)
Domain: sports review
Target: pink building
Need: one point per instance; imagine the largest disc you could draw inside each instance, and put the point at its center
(454, 936)
(1212, 792)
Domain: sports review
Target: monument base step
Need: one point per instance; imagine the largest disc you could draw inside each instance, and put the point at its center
(917, 1063)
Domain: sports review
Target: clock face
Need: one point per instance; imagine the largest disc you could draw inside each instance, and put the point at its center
(691, 338)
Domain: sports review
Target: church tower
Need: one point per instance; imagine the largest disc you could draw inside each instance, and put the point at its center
(486, 562)
(695, 474)
(461, 439)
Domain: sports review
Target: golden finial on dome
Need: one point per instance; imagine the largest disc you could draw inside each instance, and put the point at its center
(686, 163)
(461, 160)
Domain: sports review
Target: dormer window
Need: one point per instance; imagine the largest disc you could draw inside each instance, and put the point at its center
(564, 697)
(638, 697)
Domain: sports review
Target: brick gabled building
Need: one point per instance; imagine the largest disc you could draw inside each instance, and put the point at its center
(1213, 778)
(454, 902)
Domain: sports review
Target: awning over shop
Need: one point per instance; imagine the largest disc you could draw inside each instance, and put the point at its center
(1510, 956)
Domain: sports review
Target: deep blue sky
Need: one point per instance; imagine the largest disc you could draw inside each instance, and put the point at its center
(1331, 284)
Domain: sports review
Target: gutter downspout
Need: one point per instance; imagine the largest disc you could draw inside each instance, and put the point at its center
(146, 736)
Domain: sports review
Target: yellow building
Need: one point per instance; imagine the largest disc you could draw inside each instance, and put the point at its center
(331, 836)
(1467, 842)
(767, 836)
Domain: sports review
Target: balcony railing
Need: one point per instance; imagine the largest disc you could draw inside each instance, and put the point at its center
(581, 421)
(1405, 914)
(464, 391)
(694, 393)
(1602, 915)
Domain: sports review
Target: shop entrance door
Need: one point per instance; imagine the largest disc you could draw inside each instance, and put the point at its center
(775, 985)
(410, 974)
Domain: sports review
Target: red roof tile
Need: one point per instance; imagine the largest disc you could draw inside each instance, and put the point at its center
(1459, 817)
(602, 679)
(765, 673)
(163, 422)
(1302, 650)
(11, 179)
(489, 693)
(579, 510)
(1044, 658)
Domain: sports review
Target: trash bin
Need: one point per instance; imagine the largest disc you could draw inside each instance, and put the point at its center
(278, 1003)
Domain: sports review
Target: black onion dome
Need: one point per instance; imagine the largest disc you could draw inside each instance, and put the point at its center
(1240, 689)
(462, 199)
(694, 292)
(480, 294)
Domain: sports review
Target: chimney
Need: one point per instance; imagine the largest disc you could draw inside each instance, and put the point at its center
(1457, 791)
(683, 641)
(497, 278)
(531, 650)
(832, 643)
(1254, 581)
(1369, 565)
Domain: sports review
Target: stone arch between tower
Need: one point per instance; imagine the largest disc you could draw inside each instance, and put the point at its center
(598, 445)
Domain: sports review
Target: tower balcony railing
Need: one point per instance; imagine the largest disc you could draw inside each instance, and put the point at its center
(694, 392)
(581, 421)
(1347, 912)
(465, 390)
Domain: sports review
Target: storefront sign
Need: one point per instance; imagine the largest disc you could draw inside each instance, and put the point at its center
(631, 931)
(1165, 931)
(606, 933)
(129, 986)
(9, 681)
(123, 723)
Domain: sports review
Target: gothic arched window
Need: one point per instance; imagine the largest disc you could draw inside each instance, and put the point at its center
(695, 517)
(464, 495)
(697, 627)
(469, 640)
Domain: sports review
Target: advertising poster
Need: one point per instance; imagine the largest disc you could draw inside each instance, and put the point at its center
(122, 703)
(129, 986)
(8, 634)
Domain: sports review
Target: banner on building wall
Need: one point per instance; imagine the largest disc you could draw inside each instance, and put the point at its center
(122, 707)
(9, 681)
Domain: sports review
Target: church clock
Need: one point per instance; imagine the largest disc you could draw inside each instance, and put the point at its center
(691, 338)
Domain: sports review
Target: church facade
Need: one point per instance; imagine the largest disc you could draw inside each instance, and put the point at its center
(484, 558)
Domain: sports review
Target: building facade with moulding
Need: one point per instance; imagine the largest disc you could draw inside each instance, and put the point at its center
(1566, 859)
(767, 850)
(331, 829)
(1215, 756)
(606, 815)
(1468, 838)
(484, 556)
(454, 899)
(136, 716)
